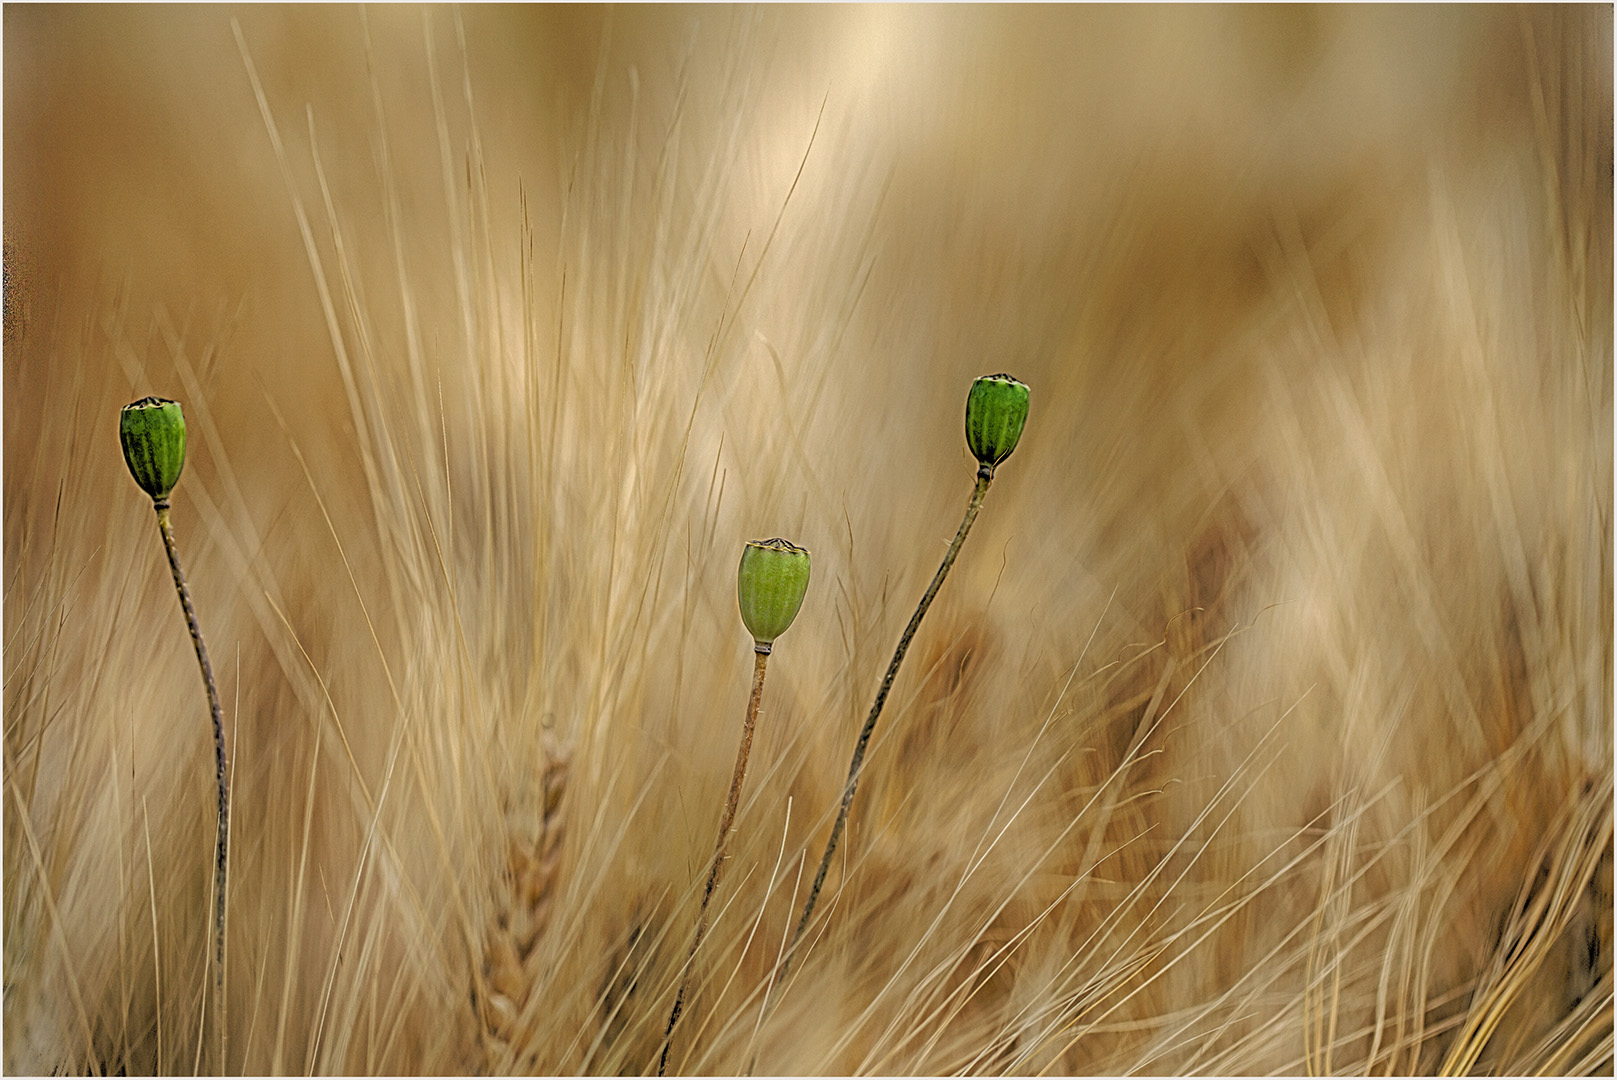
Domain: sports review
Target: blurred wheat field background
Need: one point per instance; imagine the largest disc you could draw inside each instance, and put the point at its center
(1264, 725)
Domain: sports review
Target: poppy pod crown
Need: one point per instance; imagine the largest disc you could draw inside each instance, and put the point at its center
(996, 412)
(770, 584)
(152, 431)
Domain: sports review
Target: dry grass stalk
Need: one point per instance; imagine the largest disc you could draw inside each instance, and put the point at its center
(1562, 877)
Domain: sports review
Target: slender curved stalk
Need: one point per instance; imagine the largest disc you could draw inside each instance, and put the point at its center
(761, 658)
(161, 506)
(985, 474)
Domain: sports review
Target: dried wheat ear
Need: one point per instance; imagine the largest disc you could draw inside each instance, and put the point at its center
(534, 829)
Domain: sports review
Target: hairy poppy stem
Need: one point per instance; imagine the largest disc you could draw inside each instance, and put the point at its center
(161, 506)
(985, 474)
(761, 658)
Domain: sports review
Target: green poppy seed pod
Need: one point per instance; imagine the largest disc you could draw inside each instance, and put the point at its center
(996, 410)
(770, 584)
(153, 433)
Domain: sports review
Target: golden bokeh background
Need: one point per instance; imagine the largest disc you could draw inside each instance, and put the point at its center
(1276, 673)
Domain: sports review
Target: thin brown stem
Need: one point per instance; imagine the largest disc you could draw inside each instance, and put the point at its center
(985, 474)
(161, 506)
(761, 658)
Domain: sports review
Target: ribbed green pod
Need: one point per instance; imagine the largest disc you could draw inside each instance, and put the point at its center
(770, 583)
(152, 431)
(996, 411)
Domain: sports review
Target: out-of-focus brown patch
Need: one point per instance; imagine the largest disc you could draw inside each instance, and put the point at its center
(17, 287)
(949, 665)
